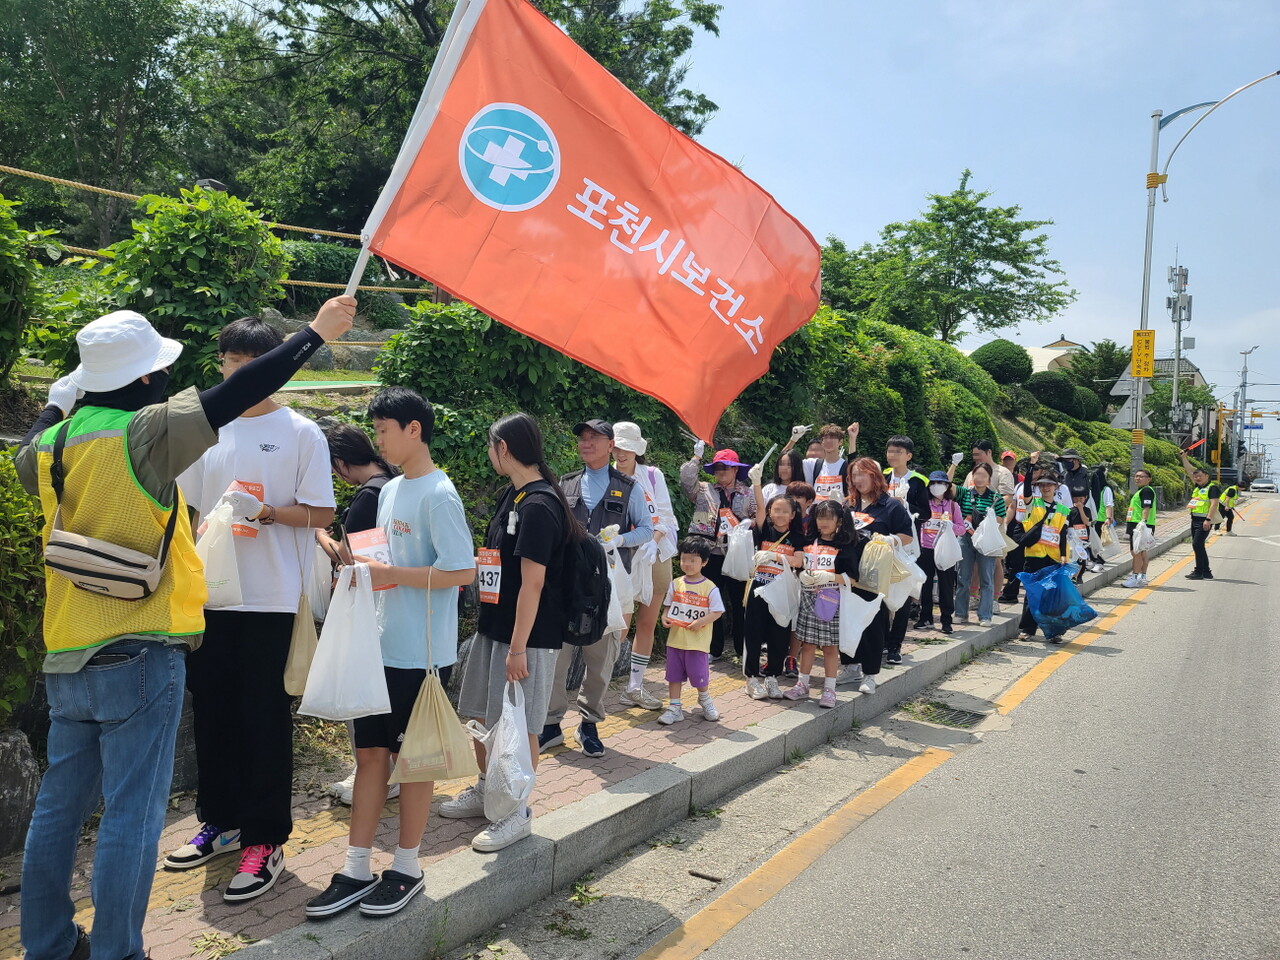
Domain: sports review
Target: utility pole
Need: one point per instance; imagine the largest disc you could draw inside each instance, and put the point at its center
(1179, 305)
(1242, 405)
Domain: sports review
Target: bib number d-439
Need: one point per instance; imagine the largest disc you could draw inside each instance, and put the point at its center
(688, 610)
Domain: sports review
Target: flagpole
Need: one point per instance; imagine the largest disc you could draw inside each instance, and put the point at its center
(461, 23)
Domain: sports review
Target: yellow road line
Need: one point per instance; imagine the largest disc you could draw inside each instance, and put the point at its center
(711, 923)
(1037, 675)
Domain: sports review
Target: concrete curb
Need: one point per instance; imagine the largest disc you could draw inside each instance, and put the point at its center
(468, 893)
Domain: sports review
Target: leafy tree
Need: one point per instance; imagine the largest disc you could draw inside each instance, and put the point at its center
(305, 102)
(1007, 362)
(1053, 389)
(1098, 367)
(88, 92)
(1158, 402)
(964, 262)
(1088, 404)
(19, 283)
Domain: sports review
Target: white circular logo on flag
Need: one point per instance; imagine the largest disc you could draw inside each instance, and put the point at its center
(509, 157)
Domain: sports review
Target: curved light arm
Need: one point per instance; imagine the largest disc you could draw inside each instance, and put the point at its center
(1201, 119)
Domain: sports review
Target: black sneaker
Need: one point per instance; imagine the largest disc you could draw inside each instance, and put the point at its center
(1208, 575)
(391, 895)
(947, 628)
(81, 950)
(893, 658)
(790, 668)
(922, 625)
(590, 740)
(551, 736)
(260, 868)
(342, 892)
(1195, 575)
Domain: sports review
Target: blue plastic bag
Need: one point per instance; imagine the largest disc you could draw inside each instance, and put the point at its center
(1054, 601)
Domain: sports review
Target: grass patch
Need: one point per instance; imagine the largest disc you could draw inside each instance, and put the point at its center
(215, 946)
(334, 376)
(672, 841)
(707, 813)
(583, 893)
(933, 711)
(561, 924)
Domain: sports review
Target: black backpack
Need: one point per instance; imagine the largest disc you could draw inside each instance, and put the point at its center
(587, 588)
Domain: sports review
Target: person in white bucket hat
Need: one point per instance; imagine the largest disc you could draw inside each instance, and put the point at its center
(112, 736)
(629, 446)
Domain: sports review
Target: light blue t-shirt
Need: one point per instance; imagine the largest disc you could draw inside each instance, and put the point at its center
(426, 527)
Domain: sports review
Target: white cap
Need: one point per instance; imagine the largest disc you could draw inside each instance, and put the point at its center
(626, 436)
(117, 349)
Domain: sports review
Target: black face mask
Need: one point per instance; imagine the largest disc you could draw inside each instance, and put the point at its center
(133, 396)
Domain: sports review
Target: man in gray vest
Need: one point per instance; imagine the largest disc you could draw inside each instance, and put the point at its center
(601, 498)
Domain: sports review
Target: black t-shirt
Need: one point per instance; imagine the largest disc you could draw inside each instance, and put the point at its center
(362, 512)
(767, 534)
(540, 536)
(888, 516)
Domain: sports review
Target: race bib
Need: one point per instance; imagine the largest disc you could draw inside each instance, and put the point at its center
(769, 570)
(489, 567)
(652, 508)
(1049, 536)
(818, 557)
(727, 521)
(935, 524)
(689, 609)
(861, 520)
(372, 543)
(249, 530)
(829, 487)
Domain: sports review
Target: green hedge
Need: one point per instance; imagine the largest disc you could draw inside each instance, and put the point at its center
(21, 592)
(333, 263)
(1008, 363)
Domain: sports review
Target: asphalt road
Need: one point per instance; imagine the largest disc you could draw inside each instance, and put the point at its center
(1131, 809)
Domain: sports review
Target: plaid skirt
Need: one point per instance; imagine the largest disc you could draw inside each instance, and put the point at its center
(810, 629)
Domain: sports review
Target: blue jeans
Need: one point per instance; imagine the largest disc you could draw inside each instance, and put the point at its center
(112, 736)
(986, 580)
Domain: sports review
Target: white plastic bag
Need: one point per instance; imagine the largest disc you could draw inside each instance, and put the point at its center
(1076, 542)
(615, 622)
(988, 539)
(509, 774)
(946, 547)
(319, 583)
(216, 549)
(912, 549)
(908, 584)
(782, 594)
(642, 573)
(1144, 538)
(737, 556)
(346, 680)
(1108, 545)
(856, 615)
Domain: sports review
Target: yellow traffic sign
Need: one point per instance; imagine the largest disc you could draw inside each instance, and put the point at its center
(1144, 353)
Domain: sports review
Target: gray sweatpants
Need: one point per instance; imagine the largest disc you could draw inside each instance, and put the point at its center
(600, 658)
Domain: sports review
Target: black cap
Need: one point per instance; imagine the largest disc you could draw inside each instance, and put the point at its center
(602, 427)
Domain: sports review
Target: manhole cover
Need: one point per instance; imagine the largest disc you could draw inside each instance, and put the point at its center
(935, 711)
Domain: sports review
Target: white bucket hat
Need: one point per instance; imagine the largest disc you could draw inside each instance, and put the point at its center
(117, 349)
(626, 436)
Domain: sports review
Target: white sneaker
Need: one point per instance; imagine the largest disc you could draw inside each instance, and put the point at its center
(1098, 567)
(868, 685)
(1143, 581)
(469, 803)
(393, 791)
(341, 791)
(984, 623)
(709, 711)
(756, 690)
(504, 833)
(849, 673)
(641, 698)
(771, 687)
(1131, 581)
(673, 714)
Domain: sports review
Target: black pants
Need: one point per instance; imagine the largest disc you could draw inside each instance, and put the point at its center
(763, 633)
(1013, 565)
(1027, 623)
(946, 580)
(871, 647)
(1230, 515)
(1198, 537)
(898, 627)
(243, 725)
(731, 593)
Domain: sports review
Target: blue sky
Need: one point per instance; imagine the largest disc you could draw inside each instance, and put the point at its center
(850, 113)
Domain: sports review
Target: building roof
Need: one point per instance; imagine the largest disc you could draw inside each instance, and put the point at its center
(1062, 343)
(1186, 370)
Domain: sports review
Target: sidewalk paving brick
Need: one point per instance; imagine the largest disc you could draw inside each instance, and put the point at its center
(187, 905)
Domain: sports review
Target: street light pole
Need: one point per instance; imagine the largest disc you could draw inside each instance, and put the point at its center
(1242, 406)
(1154, 180)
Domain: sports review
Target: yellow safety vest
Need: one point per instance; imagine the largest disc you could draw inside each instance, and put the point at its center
(102, 498)
(1048, 546)
(1200, 502)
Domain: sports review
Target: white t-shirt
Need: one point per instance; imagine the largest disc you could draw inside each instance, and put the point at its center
(825, 477)
(426, 526)
(653, 485)
(282, 459)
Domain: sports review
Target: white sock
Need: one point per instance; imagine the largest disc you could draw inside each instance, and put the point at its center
(704, 696)
(802, 679)
(828, 683)
(406, 862)
(357, 865)
(638, 665)
(675, 702)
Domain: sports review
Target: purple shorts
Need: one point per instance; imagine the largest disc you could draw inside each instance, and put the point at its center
(693, 666)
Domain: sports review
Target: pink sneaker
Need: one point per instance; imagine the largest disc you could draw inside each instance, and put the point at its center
(799, 692)
(828, 698)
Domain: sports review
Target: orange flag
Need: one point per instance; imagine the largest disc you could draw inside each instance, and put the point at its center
(535, 186)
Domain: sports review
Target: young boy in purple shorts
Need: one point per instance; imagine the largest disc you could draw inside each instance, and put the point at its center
(691, 606)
